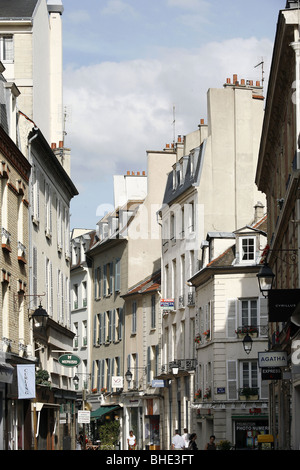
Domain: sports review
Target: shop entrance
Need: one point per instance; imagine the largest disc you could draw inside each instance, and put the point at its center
(247, 432)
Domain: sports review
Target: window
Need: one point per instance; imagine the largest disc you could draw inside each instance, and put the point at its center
(75, 296)
(172, 227)
(84, 294)
(247, 249)
(97, 283)
(133, 321)
(153, 312)
(107, 279)
(6, 49)
(117, 275)
(249, 374)
(249, 312)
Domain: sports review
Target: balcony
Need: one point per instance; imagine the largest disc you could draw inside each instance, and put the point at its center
(249, 393)
(253, 330)
(185, 366)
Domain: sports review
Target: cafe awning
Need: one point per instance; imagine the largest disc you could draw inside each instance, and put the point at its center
(103, 410)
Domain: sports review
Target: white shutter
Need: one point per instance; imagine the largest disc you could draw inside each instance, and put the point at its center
(231, 318)
(231, 380)
(263, 316)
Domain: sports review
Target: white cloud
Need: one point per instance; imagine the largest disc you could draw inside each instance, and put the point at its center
(120, 110)
(118, 7)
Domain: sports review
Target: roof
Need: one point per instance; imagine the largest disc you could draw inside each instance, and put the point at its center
(11, 9)
(150, 284)
(190, 179)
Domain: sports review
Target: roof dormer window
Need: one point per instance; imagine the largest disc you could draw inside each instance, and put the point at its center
(247, 249)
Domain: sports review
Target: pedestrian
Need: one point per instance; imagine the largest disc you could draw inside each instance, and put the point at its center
(211, 444)
(186, 437)
(192, 442)
(177, 441)
(131, 441)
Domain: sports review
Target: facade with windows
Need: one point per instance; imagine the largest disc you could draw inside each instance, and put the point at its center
(211, 187)
(230, 396)
(278, 176)
(15, 326)
(142, 400)
(80, 300)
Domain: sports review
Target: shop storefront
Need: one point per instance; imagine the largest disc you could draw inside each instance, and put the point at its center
(247, 430)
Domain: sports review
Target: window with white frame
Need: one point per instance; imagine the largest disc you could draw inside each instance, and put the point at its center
(247, 249)
(134, 317)
(249, 375)
(6, 48)
(249, 312)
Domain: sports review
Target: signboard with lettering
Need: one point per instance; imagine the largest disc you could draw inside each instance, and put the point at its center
(282, 304)
(271, 373)
(158, 383)
(117, 382)
(84, 416)
(69, 360)
(272, 359)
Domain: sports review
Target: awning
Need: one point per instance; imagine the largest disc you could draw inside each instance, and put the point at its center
(103, 410)
(6, 372)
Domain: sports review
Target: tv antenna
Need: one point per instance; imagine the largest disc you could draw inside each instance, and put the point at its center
(262, 72)
(173, 124)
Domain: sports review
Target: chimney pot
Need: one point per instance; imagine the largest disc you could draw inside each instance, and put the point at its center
(258, 83)
(234, 78)
(202, 122)
(61, 144)
(228, 80)
(53, 145)
(242, 81)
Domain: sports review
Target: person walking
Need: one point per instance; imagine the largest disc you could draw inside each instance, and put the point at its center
(192, 442)
(131, 441)
(211, 444)
(177, 441)
(186, 437)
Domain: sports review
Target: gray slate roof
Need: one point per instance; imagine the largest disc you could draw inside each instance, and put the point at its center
(10, 9)
(190, 179)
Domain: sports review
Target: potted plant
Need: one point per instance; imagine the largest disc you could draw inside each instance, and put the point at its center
(207, 334)
(198, 394)
(198, 339)
(207, 393)
(224, 445)
(248, 393)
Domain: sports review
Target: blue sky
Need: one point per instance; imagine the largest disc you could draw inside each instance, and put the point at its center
(127, 63)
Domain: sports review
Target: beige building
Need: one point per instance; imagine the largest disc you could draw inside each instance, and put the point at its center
(15, 328)
(127, 251)
(211, 188)
(31, 44)
(230, 398)
(278, 174)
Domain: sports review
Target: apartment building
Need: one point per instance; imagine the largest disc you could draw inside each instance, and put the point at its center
(231, 395)
(15, 327)
(81, 298)
(211, 188)
(278, 172)
(31, 48)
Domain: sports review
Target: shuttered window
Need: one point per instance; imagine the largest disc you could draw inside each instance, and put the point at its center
(232, 380)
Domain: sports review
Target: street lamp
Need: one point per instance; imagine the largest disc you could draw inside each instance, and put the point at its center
(265, 279)
(175, 369)
(40, 317)
(247, 343)
(128, 377)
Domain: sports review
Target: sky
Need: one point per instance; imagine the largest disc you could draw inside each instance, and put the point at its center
(131, 66)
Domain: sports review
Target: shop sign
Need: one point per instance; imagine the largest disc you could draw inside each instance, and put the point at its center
(117, 382)
(221, 390)
(84, 416)
(69, 360)
(272, 359)
(158, 383)
(271, 373)
(167, 305)
(282, 303)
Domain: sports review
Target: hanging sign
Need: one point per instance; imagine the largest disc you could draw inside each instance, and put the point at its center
(69, 360)
(272, 359)
(84, 417)
(26, 381)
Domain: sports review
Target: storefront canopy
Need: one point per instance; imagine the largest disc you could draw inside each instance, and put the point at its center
(103, 410)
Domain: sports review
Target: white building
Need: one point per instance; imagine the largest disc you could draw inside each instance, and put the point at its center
(81, 298)
(211, 188)
(31, 49)
(231, 398)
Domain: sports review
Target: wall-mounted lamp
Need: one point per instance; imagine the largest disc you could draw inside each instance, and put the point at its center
(247, 343)
(265, 279)
(40, 317)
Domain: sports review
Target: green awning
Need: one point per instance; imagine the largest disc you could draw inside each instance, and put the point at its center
(103, 410)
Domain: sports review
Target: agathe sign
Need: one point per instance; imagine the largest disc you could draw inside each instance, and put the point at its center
(272, 359)
(69, 360)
